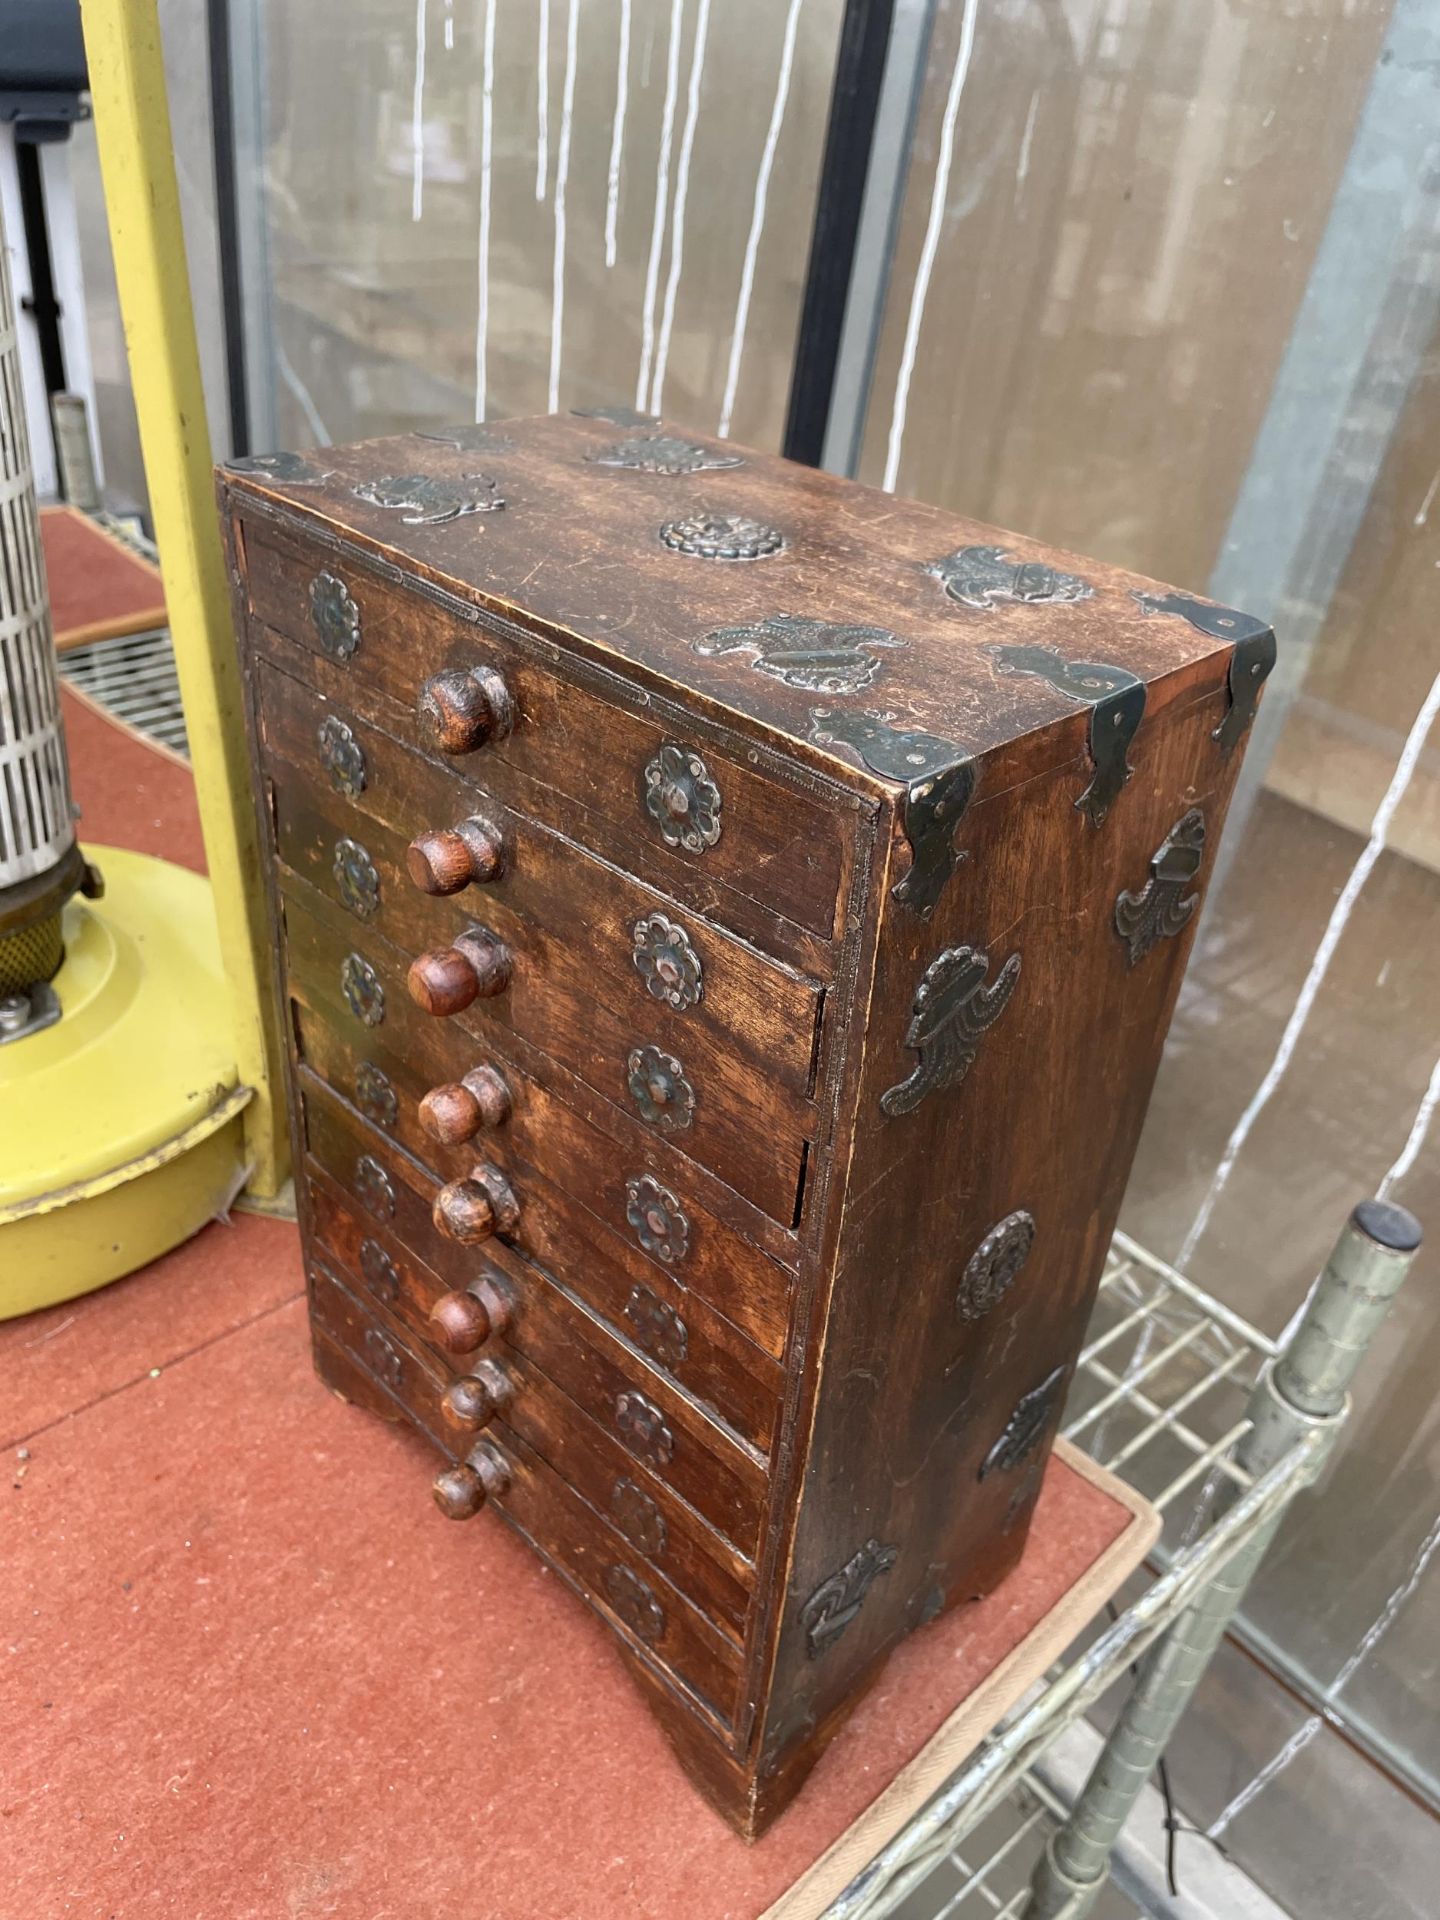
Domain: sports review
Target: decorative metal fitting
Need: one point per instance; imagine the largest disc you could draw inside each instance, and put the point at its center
(431, 499)
(356, 880)
(286, 469)
(667, 962)
(682, 798)
(993, 1265)
(721, 536)
(657, 1219)
(341, 756)
(663, 453)
(1116, 698)
(940, 783)
(642, 1426)
(800, 652)
(384, 1359)
(660, 1090)
(1024, 1430)
(832, 1607)
(473, 437)
(379, 1270)
(982, 577)
(373, 1188)
(952, 1009)
(1250, 663)
(374, 1095)
(635, 1604)
(363, 992)
(659, 1330)
(335, 616)
(638, 1518)
(1161, 909)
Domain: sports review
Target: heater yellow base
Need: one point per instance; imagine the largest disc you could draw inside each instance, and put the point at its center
(120, 1125)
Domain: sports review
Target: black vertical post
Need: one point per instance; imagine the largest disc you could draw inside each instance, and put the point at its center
(227, 224)
(849, 139)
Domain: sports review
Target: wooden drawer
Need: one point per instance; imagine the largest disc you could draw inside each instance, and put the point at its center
(658, 1524)
(645, 1301)
(759, 1149)
(710, 1468)
(629, 1591)
(775, 844)
(611, 1172)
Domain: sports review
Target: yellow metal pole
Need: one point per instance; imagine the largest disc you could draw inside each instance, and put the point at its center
(137, 163)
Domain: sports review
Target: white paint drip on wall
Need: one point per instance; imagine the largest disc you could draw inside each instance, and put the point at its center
(939, 192)
(1410, 1152)
(1022, 164)
(449, 26)
(487, 148)
(757, 218)
(617, 134)
(542, 102)
(1303, 1735)
(662, 202)
(417, 118)
(677, 218)
(1319, 967)
(562, 180)
(318, 429)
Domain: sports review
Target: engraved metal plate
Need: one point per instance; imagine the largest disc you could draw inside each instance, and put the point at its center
(374, 1095)
(384, 1358)
(1116, 699)
(667, 962)
(721, 536)
(1024, 1430)
(638, 1518)
(1250, 663)
(286, 469)
(373, 1188)
(681, 797)
(832, 1607)
(472, 437)
(982, 577)
(1162, 908)
(634, 1602)
(952, 1009)
(379, 1270)
(657, 1219)
(658, 1329)
(642, 1426)
(660, 1089)
(335, 616)
(799, 652)
(341, 755)
(356, 881)
(364, 995)
(991, 1269)
(940, 783)
(663, 453)
(432, 499)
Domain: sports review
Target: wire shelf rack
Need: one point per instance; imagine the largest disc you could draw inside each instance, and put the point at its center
(1159, 1398)
(133, 677)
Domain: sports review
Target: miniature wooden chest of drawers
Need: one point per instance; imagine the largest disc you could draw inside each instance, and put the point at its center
(727, 921)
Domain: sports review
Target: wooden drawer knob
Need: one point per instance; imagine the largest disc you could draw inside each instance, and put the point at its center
(448, 979)
(473, 1209)
(465, 707)
(461, 1322)
(473, 1402)
(461, 1491)
(449, 858)
(458, 1112)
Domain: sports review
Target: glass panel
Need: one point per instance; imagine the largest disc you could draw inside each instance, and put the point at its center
(637, 236)
(1165, 291)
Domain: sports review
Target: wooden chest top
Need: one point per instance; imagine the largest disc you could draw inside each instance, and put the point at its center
(777, 595)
